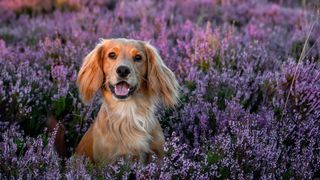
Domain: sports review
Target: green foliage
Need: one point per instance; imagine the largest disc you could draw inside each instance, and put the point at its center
(224, 172)
(191, 85)
(59, 106)
(45, 138)
(296, 49)
(213, 157)
(218, 62)
(123, 169)
(287, 175)
(6, 35)
(224, 93)
(20, 145)
(204, 65)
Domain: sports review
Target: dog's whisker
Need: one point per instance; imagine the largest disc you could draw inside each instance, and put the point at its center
(143, 78)
(146, 80)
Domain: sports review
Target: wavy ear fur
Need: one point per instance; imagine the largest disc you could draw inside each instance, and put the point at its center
(161, 80)
(90, 77)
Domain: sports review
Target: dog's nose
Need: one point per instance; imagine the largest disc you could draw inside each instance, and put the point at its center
(123, 71)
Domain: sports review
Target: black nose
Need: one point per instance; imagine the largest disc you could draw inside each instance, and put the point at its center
(123, 71)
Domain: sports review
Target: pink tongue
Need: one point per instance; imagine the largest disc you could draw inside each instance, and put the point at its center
(122, 89)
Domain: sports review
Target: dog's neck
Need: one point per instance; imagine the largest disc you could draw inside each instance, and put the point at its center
(137, 113)
(127, 124)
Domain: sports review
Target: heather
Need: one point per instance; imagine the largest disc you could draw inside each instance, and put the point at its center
(248, 69)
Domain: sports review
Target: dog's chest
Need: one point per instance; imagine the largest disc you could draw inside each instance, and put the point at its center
(127, 133)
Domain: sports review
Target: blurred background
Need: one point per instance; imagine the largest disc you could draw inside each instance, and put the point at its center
(248, 69)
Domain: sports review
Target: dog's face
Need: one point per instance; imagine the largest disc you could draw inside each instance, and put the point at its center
(123, 68)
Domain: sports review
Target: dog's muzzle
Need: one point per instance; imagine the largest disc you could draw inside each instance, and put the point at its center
(122, 90)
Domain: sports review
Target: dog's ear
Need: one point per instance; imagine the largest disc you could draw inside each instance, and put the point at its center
(161, 80)
(90, 77)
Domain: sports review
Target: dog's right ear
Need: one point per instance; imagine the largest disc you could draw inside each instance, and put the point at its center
(90, 77)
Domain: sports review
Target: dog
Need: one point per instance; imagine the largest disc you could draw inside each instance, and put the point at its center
(134, 81)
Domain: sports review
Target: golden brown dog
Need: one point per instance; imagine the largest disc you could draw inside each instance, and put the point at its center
(133, 80)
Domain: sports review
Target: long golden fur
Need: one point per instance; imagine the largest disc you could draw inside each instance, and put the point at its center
(134, 80)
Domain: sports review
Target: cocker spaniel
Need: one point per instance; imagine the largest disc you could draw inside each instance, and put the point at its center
(134, 80)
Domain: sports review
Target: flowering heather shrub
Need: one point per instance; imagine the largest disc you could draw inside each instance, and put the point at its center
(249, 108)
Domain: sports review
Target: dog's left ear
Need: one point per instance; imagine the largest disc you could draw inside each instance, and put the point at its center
(161, 80)
(90, 77)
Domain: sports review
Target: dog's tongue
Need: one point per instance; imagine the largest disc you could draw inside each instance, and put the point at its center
(122, 89)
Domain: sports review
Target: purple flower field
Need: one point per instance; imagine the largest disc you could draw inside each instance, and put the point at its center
(249, 72)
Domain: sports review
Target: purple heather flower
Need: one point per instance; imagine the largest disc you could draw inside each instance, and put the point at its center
(246, 111)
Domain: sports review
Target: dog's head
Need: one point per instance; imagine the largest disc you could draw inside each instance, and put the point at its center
(123, 68)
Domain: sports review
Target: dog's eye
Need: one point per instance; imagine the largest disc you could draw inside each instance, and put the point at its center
(112, 55)
(137, 58)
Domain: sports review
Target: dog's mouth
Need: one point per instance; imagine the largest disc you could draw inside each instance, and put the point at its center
(122, 90)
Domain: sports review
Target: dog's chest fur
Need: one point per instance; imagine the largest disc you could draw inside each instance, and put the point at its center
(123, 130)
